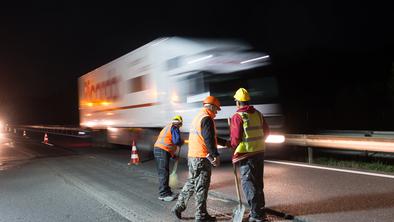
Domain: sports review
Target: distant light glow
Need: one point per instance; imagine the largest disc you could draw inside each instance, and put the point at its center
(255, 59)
(88, 114)
(275, 139)
(90, 124)
(105, 103)
(109, 114)
(174, 98)
(153, 93)
(81, 133)
(108, 122)
(200, 59)
(89, 104)
(112, 129)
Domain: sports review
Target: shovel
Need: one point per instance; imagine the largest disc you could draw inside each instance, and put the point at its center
(238, 211)
(174, 176)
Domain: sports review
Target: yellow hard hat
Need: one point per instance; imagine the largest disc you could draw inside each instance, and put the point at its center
(177, 119)
(242, 95)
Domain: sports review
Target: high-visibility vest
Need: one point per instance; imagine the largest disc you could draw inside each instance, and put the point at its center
(164, 140)
(197, 146)
(253, 135)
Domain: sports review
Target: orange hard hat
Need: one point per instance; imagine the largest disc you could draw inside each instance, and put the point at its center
(212, 100)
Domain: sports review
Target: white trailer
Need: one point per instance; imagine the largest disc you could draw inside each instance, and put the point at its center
(136, 95)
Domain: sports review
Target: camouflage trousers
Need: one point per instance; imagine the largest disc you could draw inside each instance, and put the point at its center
(198, 183)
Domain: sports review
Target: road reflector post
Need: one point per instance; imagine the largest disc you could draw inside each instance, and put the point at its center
(310, 155)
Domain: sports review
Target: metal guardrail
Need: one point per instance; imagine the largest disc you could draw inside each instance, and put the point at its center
(369, 144)
(59, 130)
(361, 140)
(348, 142)
(357, 133)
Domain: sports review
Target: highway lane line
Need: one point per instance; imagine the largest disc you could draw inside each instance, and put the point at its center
(331, 169)
(103, 196)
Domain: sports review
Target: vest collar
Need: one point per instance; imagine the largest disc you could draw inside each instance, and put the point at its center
(209, 112)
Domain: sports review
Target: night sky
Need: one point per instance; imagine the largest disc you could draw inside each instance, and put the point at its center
(333, 58)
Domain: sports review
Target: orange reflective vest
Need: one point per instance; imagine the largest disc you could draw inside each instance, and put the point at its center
(164, 141)
(197, 147)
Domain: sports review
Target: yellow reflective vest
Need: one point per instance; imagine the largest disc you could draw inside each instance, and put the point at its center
(253, 135)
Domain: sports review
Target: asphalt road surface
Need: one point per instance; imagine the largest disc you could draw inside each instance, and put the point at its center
(73, 181)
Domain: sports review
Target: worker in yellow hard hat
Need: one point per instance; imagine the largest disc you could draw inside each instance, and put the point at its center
(165, 148)
(242, 95)
(248, 131)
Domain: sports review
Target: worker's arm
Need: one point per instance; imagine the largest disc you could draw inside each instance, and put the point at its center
(236, 130)
(176, 136)
(208, 133)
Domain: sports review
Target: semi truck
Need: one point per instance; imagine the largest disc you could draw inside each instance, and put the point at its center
(134, 96)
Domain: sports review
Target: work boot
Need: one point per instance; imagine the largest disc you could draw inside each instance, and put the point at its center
(207, 218)
(177, 212)
(258, 219)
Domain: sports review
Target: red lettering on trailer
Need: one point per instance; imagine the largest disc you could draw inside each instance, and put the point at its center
(107, 90)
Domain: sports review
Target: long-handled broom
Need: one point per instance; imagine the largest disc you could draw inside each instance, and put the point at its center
(174, 176)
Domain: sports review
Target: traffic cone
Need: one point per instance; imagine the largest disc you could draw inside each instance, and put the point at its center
(46, 141)
(134, 158)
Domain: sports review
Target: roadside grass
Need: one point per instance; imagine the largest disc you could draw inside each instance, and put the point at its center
(377, 165)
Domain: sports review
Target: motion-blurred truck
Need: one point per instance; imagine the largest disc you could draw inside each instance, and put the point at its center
(134, 96)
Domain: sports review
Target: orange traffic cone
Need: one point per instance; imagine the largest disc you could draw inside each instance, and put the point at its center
(46, 141)
(134, 158)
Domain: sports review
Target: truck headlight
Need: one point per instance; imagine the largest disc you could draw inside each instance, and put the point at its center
(275, 139)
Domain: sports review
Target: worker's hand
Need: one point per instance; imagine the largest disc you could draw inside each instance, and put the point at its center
(216, 161)
(228, 144)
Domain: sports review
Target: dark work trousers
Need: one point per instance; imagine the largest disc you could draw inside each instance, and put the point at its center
(252, 171)
(162, 159)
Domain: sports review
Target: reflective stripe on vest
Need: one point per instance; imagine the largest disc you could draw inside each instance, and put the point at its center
(253, 135)
(197, 146)
(164, 141)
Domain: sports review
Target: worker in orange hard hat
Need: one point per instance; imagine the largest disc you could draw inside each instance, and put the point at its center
(165, 148)
(211, 100)
(248, 132)
(203, 153)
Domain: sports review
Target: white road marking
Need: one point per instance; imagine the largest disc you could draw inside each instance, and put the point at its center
(111, 199)
(218, 199)
(331, 169)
